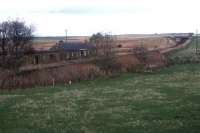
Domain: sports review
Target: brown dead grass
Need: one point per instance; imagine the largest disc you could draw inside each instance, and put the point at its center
(127, 61)
(75, 72)
(150, 43)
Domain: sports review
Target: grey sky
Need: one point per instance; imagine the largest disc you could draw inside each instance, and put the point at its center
(84, 17)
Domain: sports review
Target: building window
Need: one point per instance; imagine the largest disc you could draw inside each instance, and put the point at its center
(52, 57)
(36, 59)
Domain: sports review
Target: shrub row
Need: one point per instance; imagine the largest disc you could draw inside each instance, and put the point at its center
(183, 60)
(74, 73)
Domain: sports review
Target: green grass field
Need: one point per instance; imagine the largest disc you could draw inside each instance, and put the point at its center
(164, 101)
(187, 52)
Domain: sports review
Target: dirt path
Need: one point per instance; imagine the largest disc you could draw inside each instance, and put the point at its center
(167, 50)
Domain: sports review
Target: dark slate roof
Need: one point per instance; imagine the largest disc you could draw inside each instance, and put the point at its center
(72, 46)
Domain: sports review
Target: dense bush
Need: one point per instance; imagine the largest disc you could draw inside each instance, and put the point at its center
(183, 60)
(108, 65)
(137, 68)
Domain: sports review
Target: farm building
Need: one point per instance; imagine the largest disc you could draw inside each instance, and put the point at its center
(61, 52)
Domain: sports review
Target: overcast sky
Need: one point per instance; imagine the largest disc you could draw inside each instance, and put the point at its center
(84, 17)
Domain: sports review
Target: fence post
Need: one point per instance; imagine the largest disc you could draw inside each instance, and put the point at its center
(53, 82)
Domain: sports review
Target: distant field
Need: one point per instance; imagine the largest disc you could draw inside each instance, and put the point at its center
(148, 42)
(126, 41)
(166, 101)
(43, 44)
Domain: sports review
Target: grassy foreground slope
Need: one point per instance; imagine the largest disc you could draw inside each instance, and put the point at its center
(164, 101)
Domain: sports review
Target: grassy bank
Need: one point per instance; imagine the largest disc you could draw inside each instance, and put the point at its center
(187, 52)
(164, 101)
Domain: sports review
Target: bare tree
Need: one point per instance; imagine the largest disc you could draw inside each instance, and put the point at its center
(97, 41)
(104, 43)
(141, 53)
(15, 41)
(106, 60)
(108, 45)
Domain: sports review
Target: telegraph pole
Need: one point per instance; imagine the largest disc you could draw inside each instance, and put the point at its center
(197, 42)
(66, 35)
(3, 39)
